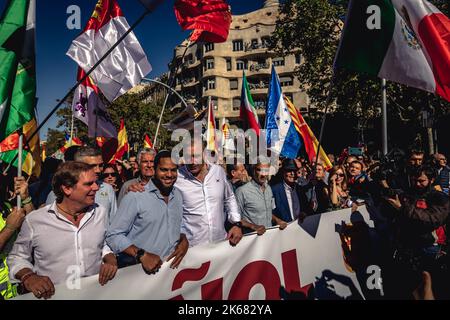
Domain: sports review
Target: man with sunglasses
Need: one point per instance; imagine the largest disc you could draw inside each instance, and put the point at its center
(105, 196)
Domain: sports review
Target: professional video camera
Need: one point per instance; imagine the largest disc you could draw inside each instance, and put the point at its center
(390, 168)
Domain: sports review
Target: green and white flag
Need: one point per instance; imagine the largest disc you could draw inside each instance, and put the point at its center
(405, 41)
(17, 66)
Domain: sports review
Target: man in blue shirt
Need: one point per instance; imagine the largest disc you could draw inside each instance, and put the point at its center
(147, 226)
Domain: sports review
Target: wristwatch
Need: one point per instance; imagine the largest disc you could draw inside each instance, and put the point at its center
(238, 224)
(139, 255)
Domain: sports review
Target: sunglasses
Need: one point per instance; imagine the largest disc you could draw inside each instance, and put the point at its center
(109, 174)
(340, 174)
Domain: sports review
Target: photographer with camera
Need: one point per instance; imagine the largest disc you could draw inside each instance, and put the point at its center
(420, 212)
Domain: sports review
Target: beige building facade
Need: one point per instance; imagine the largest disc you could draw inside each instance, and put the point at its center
(215, 69)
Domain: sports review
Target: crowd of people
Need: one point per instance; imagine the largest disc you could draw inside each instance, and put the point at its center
(149, 210)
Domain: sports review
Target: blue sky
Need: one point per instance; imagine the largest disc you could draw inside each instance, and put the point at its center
(158, 34)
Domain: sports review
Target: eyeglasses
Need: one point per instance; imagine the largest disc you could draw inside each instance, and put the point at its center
(340, 174)
(109, 174)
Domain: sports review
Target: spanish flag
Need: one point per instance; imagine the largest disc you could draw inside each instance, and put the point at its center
(123, 145)
(147, 142)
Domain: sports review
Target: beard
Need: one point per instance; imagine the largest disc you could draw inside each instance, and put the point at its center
(165, 191)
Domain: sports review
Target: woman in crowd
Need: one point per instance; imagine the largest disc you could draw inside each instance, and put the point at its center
(338, 188)
(112, 177)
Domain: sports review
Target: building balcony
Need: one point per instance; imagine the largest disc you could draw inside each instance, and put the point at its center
(256, 67)
(189, 82)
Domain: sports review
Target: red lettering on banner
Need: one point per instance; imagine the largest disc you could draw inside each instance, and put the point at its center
(291, 273)
(189, 275)
(261, 272)
(213, 290)
(257, 272)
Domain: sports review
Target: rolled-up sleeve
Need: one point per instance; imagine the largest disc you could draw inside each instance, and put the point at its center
(230, 203)
(20, 256)
(121, 224)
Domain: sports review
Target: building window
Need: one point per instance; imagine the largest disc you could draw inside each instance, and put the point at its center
(189, 59)
(209, 64)
(209, 47)
(241, 64)
(228, 61)
(265, 42)
(210, 84)
(298, 58)
(238, 45)
(236, 104)
(286, 81)
(278, 61)
(233, 84)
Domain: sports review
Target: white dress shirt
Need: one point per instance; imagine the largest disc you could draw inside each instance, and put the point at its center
(58, 247)
(206, 204)
(294, 203)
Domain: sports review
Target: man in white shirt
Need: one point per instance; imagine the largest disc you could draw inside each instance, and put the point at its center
(106, 195)
(207, 196)
(64, 238)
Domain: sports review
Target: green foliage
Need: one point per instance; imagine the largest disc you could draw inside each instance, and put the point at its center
(314, 27)
(55, 140)
(141, 117)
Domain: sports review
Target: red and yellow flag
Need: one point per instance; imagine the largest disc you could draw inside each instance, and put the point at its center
(147, 142)
(123, 145)
(211, 142)
(309, 139)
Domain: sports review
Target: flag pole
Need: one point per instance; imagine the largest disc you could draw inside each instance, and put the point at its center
(138, 21)
(71, 128)
(19, 167)
(171, 82)
(384, 117)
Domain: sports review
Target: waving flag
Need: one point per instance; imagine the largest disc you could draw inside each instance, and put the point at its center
(31, 158)
(211, 139)
(125, 66)
(309, 139)
(248, 111)
(227, 138)
(123, 145)
(147, 142)
(282, 137)
(17, 66)
(89, 108)
(59, 154)
(210, 19)
(410, 46)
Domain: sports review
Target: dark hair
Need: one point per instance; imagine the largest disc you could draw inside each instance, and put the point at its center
(229, 167)
(427, 170)
(87, 152)
(160, 155)
(69, 154)
(68, 175)
(415, 151)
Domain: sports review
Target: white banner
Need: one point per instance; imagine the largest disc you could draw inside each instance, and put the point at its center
(294, 258)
